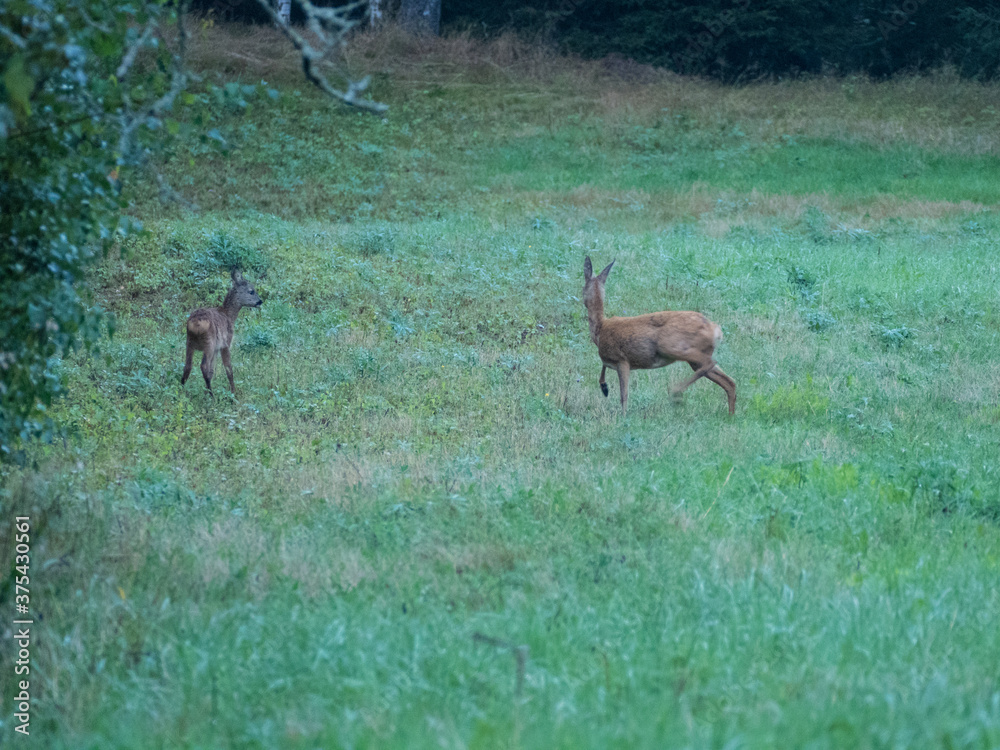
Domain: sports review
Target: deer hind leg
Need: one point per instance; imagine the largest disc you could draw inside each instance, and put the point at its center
(728, 385)
(623, 372)
(187, 363)
(229, 369)
(604, 386)
(700, 371)
(208, 367)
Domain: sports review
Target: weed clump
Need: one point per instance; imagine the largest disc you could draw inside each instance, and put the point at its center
(802, 282)
(818, 320)
(817, 225)
(373, 242)
(227, 253)
(257, 339)
(892, 338)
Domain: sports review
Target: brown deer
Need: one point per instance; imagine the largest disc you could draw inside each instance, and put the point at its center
(658, 339)
(210, 330)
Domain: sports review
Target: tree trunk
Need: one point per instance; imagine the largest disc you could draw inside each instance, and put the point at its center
(421, 16)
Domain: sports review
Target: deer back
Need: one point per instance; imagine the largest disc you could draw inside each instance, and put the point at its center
(659, 338)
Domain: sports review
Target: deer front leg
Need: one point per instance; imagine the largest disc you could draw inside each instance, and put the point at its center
(604, 386)
(227, 362)
(623, 372)
(187, 363)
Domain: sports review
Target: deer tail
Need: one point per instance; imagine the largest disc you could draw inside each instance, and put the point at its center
(718, 334)
(197, 326)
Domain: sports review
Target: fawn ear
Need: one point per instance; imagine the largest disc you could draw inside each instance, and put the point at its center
(604, 274)
(236, 275)
(588, 269)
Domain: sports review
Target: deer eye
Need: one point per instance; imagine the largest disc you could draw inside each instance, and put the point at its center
(252, 291)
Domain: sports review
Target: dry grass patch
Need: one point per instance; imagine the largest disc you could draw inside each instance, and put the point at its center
(972, 384)
(490, 558)
(719, 211)
(940, 112)
(227, 543)
(234, 49)
(324, 570)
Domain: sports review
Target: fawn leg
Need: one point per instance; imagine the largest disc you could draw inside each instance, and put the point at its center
(728, 385)
(207, 368)
(604, 386)
(187, 363)
(229, 368)
(623, 371)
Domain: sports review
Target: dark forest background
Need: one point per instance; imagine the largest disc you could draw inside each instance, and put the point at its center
(737, 40)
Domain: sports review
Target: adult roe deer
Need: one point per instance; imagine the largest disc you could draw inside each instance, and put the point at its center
(654, 340)
(210, 330)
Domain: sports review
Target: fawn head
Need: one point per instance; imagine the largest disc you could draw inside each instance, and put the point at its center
(242, 294)
(593, 286)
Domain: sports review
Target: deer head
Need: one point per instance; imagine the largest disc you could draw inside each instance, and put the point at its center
(593, 286)
(242, 294)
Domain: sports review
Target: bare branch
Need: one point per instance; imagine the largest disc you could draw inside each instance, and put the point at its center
(13, 38)
(93, 22)
(133, 50)
(330, 25)
(179, 77)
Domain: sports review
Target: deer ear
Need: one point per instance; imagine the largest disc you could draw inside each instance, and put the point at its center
(604, 274)
(588, 269)
(236, 275)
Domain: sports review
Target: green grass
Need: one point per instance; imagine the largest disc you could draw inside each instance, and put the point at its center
(419, 476)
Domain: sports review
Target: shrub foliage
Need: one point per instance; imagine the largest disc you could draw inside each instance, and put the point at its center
(81, 93)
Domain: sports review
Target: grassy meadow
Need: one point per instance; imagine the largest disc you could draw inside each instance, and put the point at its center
(419, 524)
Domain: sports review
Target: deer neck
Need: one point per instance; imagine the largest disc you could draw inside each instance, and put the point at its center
(230, 307)
(595, 317)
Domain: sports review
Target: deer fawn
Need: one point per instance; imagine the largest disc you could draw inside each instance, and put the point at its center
(658, 339)
(210, 330)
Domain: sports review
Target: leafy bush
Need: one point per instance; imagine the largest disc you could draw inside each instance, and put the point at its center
(76, 114)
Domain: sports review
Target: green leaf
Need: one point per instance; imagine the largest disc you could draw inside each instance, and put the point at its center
(19, 85)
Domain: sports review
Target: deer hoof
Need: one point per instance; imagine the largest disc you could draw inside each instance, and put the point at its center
(604, 388)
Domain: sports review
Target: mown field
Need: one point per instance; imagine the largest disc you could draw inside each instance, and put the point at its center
(419, 524)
